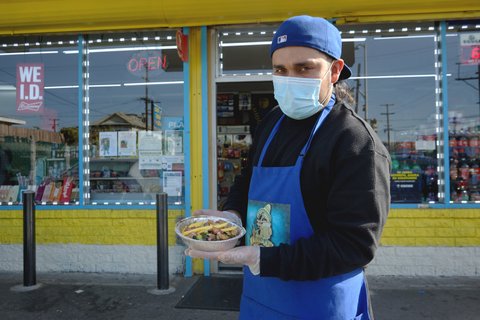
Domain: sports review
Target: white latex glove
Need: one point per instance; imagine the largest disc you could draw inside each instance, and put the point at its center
(246, 255)
(222, 214)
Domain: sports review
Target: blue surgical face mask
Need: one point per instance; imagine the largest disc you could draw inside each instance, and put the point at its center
(298, 98)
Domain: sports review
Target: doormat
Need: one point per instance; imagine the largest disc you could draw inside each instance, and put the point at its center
(214, 293)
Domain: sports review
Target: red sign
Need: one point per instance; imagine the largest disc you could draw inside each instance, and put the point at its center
(30, 86)
(182, 45)
(470, 48)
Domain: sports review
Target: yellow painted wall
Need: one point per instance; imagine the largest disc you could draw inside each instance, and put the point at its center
(48, 16)
(101, 227)
(412, 227)
(432, 227)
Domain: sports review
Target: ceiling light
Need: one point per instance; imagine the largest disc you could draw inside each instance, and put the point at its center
(121, 49)
(26, 53)
(245, 44)
(151, 83)
(354, 39)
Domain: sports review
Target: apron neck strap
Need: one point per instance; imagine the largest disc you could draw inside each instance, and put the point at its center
(319, 122)
(323, 114)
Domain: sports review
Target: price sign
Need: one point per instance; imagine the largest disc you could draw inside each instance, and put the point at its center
(470, 48)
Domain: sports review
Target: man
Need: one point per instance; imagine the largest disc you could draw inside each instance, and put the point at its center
(323, 174)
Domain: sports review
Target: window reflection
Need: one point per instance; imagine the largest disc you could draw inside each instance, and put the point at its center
(394, 89)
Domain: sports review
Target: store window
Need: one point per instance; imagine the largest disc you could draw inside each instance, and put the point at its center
(463, 54)
(135, 118)
(245, 50)
(38, 119)
(393, 86)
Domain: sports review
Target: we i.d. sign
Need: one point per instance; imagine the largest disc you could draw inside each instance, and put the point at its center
(30, 87)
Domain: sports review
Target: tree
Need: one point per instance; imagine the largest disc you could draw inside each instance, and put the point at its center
(70, 135)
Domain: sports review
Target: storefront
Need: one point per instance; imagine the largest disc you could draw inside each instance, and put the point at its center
(98, 121)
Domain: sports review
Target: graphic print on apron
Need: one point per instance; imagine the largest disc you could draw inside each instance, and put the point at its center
(271, 225)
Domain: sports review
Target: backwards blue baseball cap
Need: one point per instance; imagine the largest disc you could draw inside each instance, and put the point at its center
(312, 32)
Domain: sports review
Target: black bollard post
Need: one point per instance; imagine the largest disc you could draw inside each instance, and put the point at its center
(162, 242)
(29, 264)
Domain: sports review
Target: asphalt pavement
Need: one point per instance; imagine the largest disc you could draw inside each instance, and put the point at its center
(127, 296)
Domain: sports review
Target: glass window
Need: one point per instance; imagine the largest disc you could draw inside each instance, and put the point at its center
(237, 46)
(38, 119)
(393, 86)
(135, 118)
(463, 54)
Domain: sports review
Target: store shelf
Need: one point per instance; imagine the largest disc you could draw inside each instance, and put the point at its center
(115, 159)
(124, 178)
(108, 195)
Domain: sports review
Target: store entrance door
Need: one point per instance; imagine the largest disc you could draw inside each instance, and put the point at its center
(240, 107)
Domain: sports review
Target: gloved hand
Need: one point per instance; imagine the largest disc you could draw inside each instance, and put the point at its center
(246, 255)
(222, 214)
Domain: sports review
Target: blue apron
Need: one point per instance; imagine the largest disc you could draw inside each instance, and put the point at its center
(276, 214)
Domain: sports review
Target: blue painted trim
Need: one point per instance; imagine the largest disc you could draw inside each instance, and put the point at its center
(446, 149)
(205, 141)
(80, 121)
(186, 145)
(90, 207)
(436, 206)
(175, 207)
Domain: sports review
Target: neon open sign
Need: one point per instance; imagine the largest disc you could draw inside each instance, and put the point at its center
(151, 61)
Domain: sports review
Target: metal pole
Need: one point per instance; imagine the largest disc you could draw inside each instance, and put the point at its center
(162, 242)
(29, 265)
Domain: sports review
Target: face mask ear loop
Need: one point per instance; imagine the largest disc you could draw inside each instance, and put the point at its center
(330, 87)
(330, 90)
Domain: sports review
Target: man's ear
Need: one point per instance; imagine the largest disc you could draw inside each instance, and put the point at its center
(337, 69)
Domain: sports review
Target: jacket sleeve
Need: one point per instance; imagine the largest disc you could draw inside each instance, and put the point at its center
(357, 205)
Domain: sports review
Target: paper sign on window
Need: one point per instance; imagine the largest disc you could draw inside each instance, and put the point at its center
(30, 86)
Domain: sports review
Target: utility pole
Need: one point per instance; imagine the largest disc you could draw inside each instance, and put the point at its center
(365, 83)
(467, 83)
(357, 88)
(388, 114)
(365, 87)
(146, 96)
(54, 124)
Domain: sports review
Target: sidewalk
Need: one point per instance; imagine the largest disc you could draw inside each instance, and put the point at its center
(119, 296)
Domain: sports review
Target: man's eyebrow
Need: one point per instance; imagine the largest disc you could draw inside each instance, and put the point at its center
(296, 64)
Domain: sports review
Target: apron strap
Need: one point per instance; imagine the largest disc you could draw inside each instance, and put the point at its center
(270, 138)
(319, 122)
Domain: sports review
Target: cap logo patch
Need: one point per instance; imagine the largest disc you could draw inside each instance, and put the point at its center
(282, 39)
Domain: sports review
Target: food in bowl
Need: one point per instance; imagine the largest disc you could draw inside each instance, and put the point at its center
(209, 233)
(210, 230)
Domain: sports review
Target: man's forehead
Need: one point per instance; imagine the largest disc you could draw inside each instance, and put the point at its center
(298, 55)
